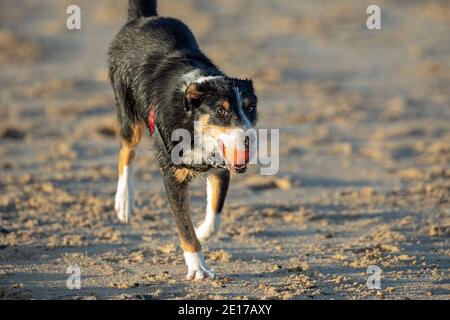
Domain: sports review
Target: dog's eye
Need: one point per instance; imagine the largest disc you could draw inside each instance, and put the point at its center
(250, 109)
(222, 112)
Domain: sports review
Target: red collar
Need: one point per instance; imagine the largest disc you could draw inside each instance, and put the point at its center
(152, 115)
(153, 127)
(151, 121)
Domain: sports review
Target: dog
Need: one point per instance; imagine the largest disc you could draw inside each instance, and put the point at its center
(163, 82)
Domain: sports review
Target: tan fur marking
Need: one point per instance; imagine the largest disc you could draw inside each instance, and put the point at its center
(137, 134)
(127, 153)
(215, 189)
(210, 129)
(191, 247)
(188, 238)
(183, 174)
(226, 105)
(204, 120)
(192, 91)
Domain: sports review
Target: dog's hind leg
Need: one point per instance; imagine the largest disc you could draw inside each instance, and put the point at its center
(124, 200)
(216, 191)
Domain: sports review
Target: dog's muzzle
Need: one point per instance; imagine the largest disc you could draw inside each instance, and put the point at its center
(235, 152)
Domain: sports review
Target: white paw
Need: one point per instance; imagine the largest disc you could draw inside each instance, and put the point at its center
(207, 229)
(124, 206)
(197, 267)
(124, 200)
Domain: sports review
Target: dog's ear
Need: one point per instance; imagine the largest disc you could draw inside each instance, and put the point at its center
(192, 97)
(248, 83)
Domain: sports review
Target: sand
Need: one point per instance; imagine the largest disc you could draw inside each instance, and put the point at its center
(364, 156)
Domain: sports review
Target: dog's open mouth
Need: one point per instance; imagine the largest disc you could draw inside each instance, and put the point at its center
(236, 159)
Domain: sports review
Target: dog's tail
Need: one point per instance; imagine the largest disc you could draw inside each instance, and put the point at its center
(141, 8)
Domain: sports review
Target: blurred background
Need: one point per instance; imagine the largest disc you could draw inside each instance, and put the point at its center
(364, 154)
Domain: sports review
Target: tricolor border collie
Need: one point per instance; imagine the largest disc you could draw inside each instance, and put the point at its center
(162, 82)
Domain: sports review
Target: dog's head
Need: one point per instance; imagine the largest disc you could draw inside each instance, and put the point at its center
(225, 113)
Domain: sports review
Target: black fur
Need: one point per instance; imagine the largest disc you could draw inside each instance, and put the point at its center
(138, 8)
(148, 60)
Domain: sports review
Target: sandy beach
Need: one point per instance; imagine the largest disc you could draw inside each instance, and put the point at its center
(364, 177)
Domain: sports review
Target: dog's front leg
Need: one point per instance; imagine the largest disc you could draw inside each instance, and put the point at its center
(179, 200)
(216, 190)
